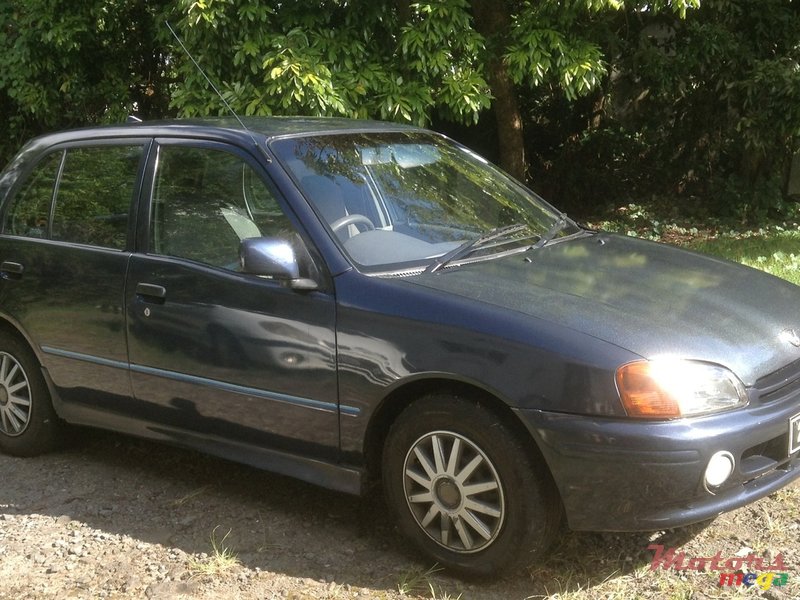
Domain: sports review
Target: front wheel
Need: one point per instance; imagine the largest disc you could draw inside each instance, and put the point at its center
(466, 489)
(28, 423)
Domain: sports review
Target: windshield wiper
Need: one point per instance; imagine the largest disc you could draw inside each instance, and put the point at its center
(472, 245)
(548, 235)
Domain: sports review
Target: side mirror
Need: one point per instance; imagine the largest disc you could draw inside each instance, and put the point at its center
(273, 258)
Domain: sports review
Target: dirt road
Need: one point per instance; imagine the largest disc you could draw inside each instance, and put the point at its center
(113, 517)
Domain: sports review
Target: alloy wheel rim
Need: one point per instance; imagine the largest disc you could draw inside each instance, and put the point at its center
(15, 397)
(454, 492)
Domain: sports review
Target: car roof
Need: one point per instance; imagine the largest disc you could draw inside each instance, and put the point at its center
(256, 131)
(226, 128)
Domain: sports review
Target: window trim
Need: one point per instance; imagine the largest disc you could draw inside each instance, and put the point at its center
(148, 194)
(19, 186)
(146, 143)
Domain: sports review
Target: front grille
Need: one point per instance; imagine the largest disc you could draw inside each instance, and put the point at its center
(779, 384)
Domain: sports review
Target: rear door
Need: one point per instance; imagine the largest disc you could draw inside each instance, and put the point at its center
(230, 357)
(67, 239)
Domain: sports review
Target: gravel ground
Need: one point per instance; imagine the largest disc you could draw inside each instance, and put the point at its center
(113, 517)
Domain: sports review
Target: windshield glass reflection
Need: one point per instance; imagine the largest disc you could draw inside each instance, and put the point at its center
(398, 200)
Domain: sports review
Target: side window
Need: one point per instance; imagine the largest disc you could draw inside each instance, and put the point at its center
(205, 202)
(29, 212)
(95, 194)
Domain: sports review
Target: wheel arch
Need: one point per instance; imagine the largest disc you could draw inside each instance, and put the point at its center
(9, 326)
(43, 429)
(405, 395)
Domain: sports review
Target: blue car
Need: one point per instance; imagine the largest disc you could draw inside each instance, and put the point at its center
(355, 303)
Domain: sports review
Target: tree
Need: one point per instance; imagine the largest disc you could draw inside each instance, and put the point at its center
(646, 96)
(65, 64)
(392, 60)
(715, 97)
(398, 60)
(333, 58)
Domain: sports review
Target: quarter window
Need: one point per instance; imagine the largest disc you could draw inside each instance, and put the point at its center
(29, 213)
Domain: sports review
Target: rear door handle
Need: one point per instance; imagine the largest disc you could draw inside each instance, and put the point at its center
(11, 270)
(151, 292)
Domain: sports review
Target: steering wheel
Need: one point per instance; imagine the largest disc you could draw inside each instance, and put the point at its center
(352, 220)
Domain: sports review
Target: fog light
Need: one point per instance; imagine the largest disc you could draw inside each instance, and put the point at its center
(719, 468)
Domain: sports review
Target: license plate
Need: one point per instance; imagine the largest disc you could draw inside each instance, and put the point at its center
(794, 434)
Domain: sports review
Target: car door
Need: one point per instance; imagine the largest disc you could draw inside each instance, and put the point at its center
(67, 238)
(231, 357)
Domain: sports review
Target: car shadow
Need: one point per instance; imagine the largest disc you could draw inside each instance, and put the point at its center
(184, 500)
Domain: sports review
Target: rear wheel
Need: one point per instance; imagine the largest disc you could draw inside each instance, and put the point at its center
(28, 423)
(466, 489)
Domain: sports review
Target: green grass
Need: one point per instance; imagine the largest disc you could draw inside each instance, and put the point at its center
(772, 245)
(776, 252)
(221, 559)
(416, 581)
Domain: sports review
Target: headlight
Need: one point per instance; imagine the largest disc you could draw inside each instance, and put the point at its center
(667, 388)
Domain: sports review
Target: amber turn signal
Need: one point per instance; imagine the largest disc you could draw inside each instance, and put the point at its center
(641, 394)
(666, 388)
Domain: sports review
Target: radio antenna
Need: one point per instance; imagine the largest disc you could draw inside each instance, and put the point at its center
(213, 87)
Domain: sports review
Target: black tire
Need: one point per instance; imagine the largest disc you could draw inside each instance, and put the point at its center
(519, 517)
(28, 423)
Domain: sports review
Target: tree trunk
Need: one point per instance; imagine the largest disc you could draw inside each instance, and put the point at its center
(492, 21)
(403, 11)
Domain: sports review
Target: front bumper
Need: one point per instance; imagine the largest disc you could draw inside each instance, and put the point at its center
(636, 475)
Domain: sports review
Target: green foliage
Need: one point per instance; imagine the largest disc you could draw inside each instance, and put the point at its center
(64, 64)
(750, 202)
(543, 47)
(717, 96)
(361, 58)
(598, 167)
(352, 59)
(741, 69)
(553, 41)
(703, 109)
(619, 101)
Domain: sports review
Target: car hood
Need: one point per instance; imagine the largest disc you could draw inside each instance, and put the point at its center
(651, 299)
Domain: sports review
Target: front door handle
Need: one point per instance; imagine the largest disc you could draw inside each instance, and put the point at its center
(151, 292)
(11, 270)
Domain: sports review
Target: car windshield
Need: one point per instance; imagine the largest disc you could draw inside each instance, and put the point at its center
(414, 200)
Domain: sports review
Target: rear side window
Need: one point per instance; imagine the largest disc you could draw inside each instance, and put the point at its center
(29, 214)
(93, 188)
(94, 195)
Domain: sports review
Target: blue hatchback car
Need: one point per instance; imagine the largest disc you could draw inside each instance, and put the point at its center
(354, 302)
